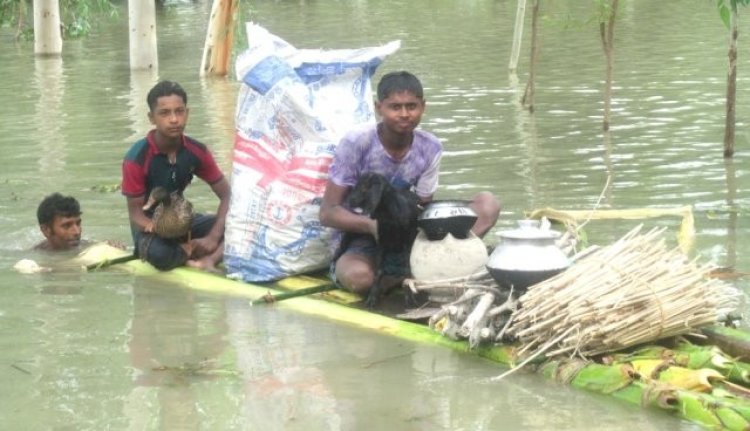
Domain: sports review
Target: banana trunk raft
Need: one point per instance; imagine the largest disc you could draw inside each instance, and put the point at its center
(699, 383)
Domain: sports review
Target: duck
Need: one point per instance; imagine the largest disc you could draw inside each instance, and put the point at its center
(173, 213)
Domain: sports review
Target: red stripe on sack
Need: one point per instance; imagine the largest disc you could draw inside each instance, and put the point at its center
(252, 154)
(317, 164)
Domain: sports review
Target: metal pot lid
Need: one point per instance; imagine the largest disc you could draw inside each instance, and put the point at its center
(529, 229)
(448, 203)
(447, 209)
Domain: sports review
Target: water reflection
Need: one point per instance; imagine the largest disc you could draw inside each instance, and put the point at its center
(141, 82)
(81, 116)
(176, 342)
(608, 192)
(731, 178)
(220, 98)
(52, 142)
(283, 388)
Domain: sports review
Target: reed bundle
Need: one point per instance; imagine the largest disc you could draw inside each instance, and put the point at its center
(633, 291)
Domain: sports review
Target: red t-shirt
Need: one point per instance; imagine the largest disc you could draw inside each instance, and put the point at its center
(145, 167)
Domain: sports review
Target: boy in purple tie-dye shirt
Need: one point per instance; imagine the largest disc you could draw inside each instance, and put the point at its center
(407, 157)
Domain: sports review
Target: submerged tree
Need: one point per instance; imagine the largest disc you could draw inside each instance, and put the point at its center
(76, 16)
(728, 12)
(528, 95)
(607, 15)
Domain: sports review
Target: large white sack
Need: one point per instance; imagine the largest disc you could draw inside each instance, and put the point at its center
(294, 105)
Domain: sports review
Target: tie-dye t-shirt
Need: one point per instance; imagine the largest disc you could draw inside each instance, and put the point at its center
(361, 151)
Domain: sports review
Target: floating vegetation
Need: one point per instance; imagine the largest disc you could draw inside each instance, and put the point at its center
(106, 188)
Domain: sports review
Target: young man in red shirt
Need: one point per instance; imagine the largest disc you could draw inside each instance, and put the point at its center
(168, 158)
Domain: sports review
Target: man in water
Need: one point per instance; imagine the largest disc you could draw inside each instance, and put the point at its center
(60, 222)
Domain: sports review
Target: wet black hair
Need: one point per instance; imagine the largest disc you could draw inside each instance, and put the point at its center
(395, 82)
(57, 205)
(164, 88)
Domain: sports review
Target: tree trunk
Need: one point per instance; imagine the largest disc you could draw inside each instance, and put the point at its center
(217, 51)
(23, 13)
(47, 36)
(528, 95)
(517, 36)
(142, 22)
(607, 33)
(731, 85)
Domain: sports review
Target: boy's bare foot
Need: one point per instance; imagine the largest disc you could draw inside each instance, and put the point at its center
(391, 282)
(205, 264)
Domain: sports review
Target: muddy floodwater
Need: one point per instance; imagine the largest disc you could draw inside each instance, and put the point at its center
(108, 350)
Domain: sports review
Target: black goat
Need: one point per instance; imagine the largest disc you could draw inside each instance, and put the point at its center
(396, 211)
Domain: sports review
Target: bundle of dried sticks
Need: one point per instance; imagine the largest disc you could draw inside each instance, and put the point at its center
(630, 292)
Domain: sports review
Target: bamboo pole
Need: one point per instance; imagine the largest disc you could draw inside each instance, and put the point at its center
(517, 36)
(685, 237)
(217, 50)
(109, 262)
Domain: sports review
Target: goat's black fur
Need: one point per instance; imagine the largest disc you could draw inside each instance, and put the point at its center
(396, 212)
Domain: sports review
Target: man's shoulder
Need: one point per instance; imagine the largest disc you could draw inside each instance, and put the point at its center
(193, 145)
(359, 131)
(427, 136)
(45, 246)
(357, 139)
(138, 150)
(42, 246)
(427, 140)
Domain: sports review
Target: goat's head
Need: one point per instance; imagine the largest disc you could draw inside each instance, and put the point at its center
(367, 193)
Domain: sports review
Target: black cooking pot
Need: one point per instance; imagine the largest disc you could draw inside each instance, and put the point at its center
(442, 217)
(520, 279)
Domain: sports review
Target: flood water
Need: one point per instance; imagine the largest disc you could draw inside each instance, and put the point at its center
(108, 350)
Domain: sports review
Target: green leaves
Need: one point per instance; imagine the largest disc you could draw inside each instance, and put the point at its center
(727, 6)
(76, 16)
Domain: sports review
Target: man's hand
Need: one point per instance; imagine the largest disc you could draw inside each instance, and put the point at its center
(204, 246)
(149, 228)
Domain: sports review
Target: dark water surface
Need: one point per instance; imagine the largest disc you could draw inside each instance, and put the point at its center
(110, 351)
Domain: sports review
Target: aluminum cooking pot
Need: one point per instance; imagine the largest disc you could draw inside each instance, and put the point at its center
(447, 216)
(526, 256)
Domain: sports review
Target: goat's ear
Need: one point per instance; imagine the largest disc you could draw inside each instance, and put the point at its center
(374, 194)
(399, 207)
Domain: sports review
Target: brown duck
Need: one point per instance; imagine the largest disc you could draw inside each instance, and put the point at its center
(172, 213)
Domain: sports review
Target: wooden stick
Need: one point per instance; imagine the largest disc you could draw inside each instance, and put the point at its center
(270, 298)
(478, 314)
(109, 262)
